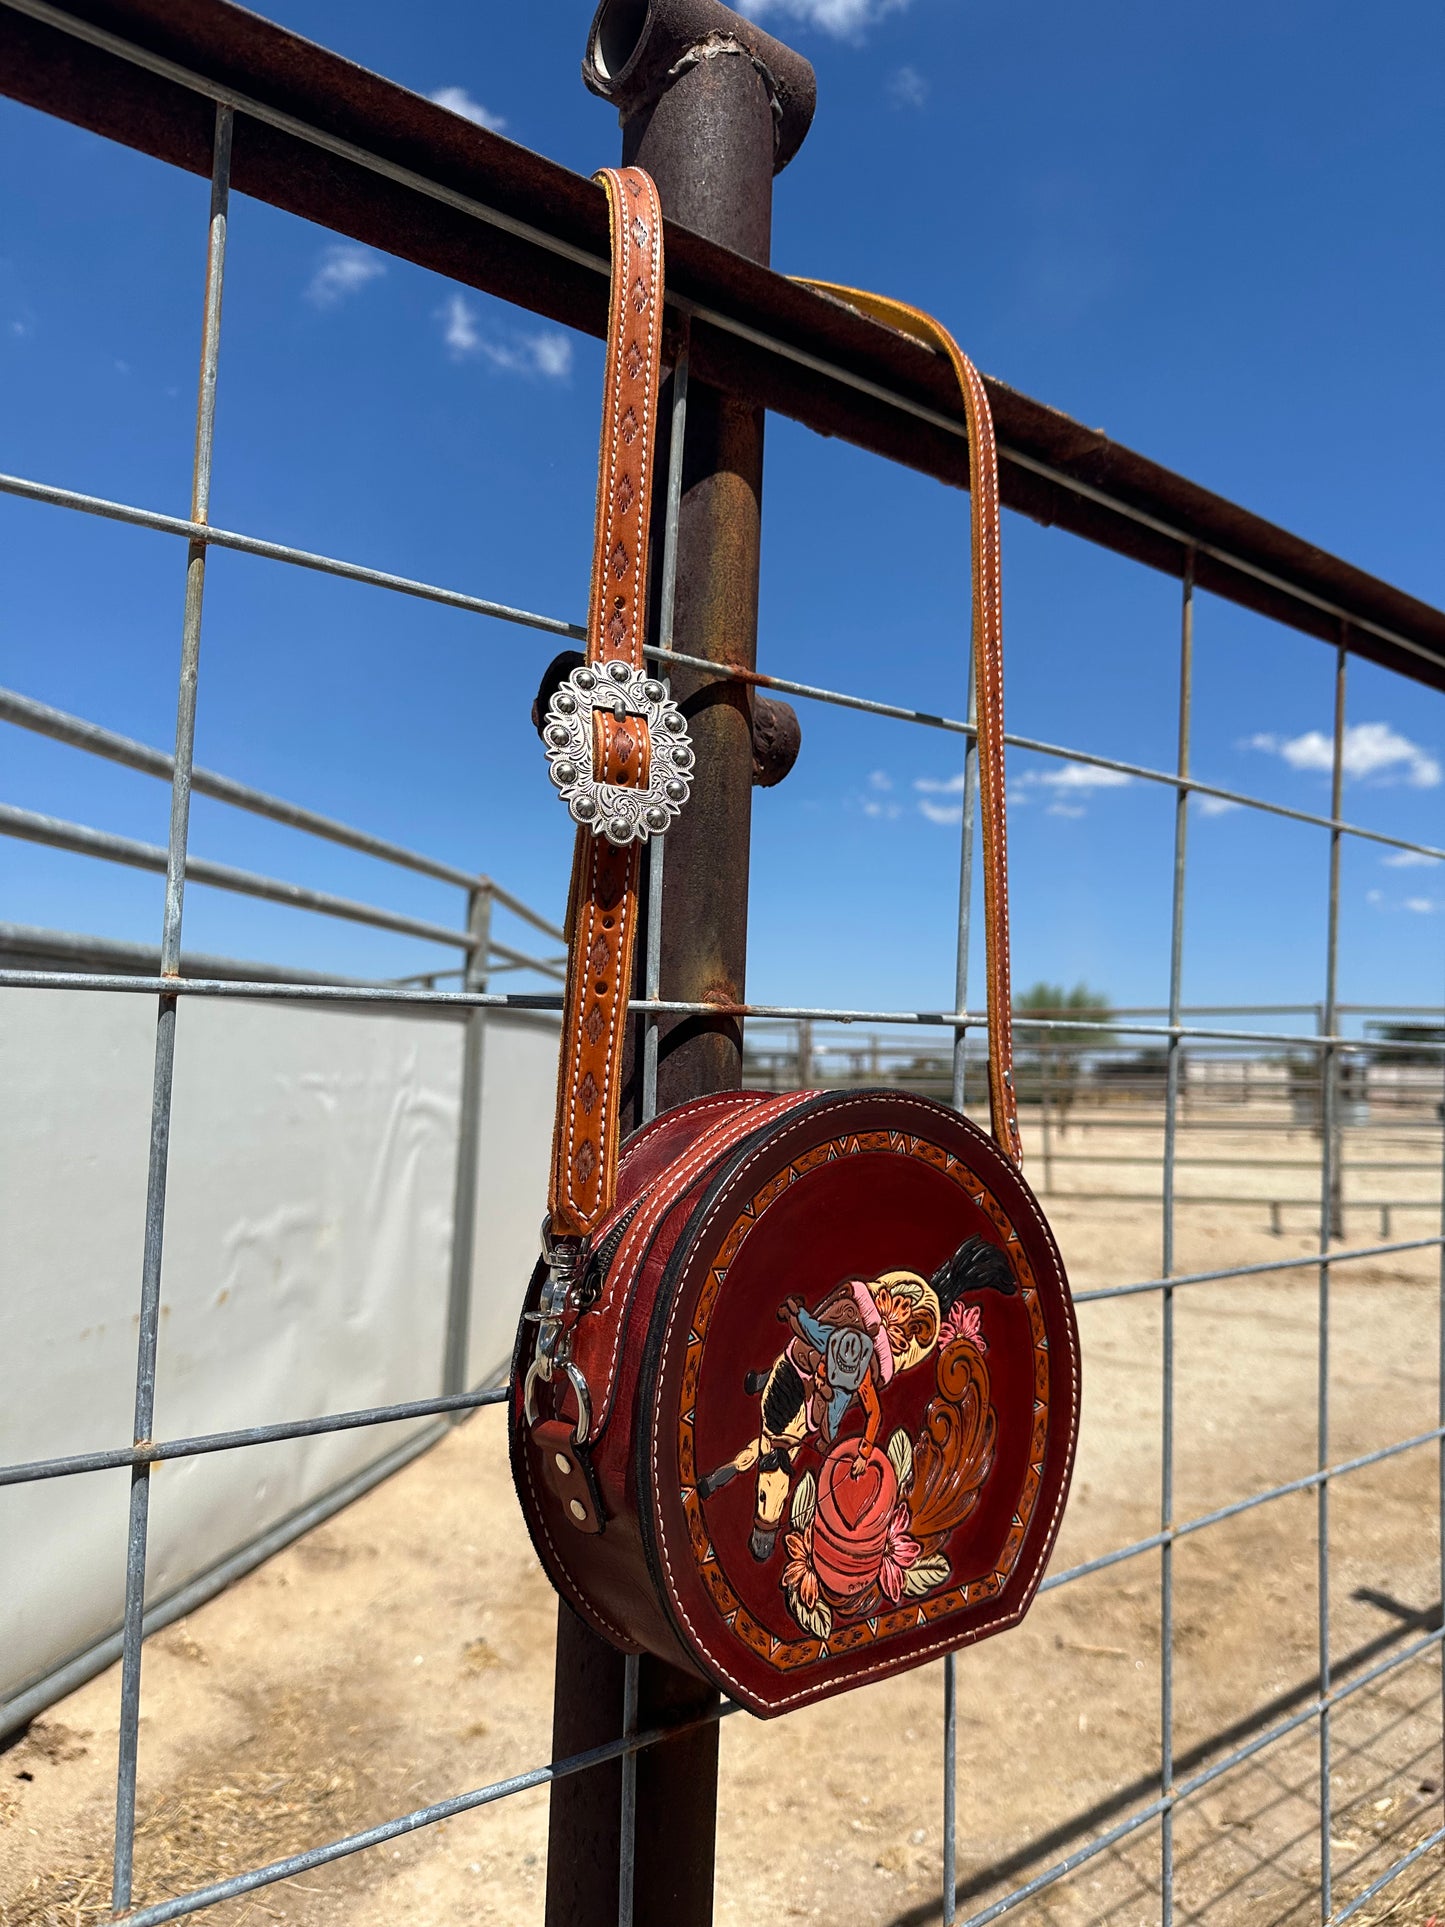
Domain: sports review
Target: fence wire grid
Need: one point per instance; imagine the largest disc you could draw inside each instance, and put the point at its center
(1177, 1778)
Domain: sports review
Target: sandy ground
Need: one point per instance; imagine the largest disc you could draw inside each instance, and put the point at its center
(403, 1652)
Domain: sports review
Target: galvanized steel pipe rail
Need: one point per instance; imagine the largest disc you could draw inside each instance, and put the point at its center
(402, 174)
(30, 490)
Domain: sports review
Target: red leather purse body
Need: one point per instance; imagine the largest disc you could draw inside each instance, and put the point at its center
(796, 1388)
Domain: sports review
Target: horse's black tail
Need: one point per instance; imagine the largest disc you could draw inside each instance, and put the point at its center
(977, 1265)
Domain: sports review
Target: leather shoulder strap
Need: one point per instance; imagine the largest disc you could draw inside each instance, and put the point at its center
(602, 909)
(988, 685)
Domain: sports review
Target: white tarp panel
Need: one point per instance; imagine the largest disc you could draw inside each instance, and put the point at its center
(306, 1265)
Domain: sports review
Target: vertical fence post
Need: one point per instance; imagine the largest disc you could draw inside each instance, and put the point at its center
(967, 836)
(1329, 1229)
(1167, 1254)
(469, 1132)
(710, 107)
(147, 1343)
(1440, 1413)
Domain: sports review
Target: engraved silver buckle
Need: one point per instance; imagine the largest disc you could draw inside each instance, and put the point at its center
(620, 813)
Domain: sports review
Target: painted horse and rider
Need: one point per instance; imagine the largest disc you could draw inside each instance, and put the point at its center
(847, 1352)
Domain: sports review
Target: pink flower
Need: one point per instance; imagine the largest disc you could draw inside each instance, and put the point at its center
(899, 1553)
(798, 1573)
(964, 1321)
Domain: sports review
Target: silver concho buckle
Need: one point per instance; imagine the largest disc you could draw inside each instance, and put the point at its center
(622, 814)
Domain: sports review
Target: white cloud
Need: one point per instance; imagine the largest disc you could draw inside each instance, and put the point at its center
(460, 329)
(908, 88)
(547, 352)
(1079, 776)
(1214, 805)
(889, 812)
(457, 100)
(1417, 906)
(1407, 860)
(342, 270)
(880, 780)
(846, 19)
(1069, 784)
(551, 354)
(1072, 776)
(941, 812)
(1368, 750)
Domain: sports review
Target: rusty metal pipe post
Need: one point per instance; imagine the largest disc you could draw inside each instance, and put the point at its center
(712, 107)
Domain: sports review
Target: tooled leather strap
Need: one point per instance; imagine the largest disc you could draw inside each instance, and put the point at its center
(988, 683)
(602, 909)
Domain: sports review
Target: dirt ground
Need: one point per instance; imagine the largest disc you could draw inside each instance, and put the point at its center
(403, 1652)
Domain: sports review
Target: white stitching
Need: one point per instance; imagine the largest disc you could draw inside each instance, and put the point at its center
(644, 493)
(645, 1135)
(566, 1150)
(607, 536)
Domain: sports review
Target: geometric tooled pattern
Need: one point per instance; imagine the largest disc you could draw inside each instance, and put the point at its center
(787, 1655)
(633, 359)
(639, 230)
(639, 294)
(585, 1160)
(617, 624)
(624, 491)
(627, 427)
(599, 956)
(618, 561)
(594, 1023)
(587, 1094)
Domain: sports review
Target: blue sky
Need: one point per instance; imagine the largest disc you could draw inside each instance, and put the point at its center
(1216, 236)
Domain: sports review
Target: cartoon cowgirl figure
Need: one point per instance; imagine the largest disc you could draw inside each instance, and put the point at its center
(863, 1334)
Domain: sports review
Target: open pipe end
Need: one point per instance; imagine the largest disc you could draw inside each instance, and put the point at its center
(636, 49)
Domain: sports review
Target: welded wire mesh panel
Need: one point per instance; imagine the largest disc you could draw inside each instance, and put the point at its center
(1179, 1135)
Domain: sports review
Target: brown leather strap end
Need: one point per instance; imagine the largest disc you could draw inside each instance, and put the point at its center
(568, 1473)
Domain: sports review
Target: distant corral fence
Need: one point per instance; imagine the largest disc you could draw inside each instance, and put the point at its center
(1100, 1113)
(217, 92)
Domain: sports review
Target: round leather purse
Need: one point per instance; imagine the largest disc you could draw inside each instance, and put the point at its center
(796, 1388)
